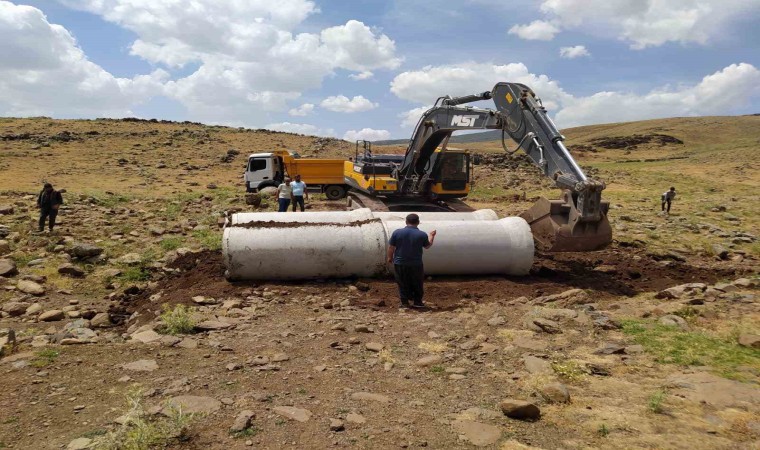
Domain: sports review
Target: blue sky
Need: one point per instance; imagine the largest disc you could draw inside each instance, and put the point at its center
(366, 69)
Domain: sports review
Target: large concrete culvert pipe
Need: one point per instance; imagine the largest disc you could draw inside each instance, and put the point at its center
(292, 246)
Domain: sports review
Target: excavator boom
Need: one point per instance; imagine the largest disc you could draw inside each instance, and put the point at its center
(576, 222)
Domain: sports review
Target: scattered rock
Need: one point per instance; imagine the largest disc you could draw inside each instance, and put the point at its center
(545, 325)
(211, 325)
(7, 268)
(280, 357)
(7, 341)
(201, 300)
(368, 396)
(749, 340)
(355, 418)
(146, 337)
(52, 316)
(130, 259)
(336, 425)
(84, 251)
(496, 321)
(79, 444)
(101, 320)
(71, 270)
(555, 393)
(14, 309)
(373, 346)
(537, 365)
(519, 409)
(478, 434)
(706, 389)
(6, 210)
(242, 421)
(141, 365)
(363, 329)
(567, 298)
(293, 413)
(30, 287)
(672, 320)
(610, 348)
(192, 404)
(429, 360)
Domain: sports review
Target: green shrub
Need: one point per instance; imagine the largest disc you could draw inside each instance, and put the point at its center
(178, 320)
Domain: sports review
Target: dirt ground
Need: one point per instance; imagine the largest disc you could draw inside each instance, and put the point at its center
(651, 343)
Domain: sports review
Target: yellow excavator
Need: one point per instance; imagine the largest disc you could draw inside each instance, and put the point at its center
(431, 177)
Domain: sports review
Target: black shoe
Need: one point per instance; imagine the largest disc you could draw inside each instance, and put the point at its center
(418, 306)
(404, 304)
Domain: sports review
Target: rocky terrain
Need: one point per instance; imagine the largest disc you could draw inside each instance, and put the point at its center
(119, 330)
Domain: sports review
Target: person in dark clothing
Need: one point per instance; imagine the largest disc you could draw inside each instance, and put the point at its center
(667, 198)
(405, 249)
(48, 202)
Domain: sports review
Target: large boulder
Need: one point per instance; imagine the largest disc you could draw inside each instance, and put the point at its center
(30, 287)
(83, 251)
(519, 409)
(7, 268)
(70, 270)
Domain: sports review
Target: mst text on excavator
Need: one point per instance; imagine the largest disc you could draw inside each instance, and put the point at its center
(430, 177)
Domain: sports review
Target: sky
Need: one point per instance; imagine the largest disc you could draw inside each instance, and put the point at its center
(367, 69)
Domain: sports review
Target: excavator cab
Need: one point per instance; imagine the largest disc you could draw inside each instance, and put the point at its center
(450, 177)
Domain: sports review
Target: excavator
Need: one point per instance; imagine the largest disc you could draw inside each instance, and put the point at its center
(431, 180)
(430, 177)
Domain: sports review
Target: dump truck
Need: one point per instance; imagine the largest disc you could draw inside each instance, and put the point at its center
(270, 169)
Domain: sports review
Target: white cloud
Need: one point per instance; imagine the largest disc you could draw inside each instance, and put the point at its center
(366, 75)
(341, 103)
(251, 60)
(367, 134)
(719, 93)
(648, 23)
(538, 30)
(410, 118)
(303, 110)
(427, 84)
(301, 128)
(573, 52)
(44, 72)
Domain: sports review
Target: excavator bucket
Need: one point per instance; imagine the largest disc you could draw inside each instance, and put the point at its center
(557, 226)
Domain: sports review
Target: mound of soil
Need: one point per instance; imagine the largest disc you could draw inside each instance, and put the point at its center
(608, 274)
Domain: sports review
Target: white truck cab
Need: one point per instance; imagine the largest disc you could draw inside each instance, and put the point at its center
(263, 170)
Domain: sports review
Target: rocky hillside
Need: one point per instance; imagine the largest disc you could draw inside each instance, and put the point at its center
(119, 330)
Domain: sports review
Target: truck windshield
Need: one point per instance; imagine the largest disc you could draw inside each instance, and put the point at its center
(257, 164)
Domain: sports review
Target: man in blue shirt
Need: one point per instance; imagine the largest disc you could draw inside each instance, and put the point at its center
(405, 253)
(299, 190)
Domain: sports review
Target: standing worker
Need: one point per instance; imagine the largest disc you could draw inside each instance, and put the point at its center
(48, 202)
(299, 190)
(405, 253)
(284, 195)
(667, 198)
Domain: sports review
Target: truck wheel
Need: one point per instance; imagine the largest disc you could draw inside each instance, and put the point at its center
(335, 192)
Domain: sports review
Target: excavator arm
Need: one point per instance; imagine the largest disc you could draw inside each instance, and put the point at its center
(576, 222)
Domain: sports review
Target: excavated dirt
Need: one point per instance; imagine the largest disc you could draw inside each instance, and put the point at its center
(610, 273)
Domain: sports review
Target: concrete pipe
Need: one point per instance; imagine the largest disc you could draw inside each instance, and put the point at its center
(480, 214)
(487, 247)
(292, 250)
(355, 215)
(268, 249)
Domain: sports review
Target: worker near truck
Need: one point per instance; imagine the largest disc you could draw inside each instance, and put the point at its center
(48, 201)
(405, 249)
(284, 195)
(667, 198)
(299, 191)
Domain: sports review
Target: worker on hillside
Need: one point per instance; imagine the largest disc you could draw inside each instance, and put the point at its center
(284, 195)
(667, 198)
(299, 190)
(405, 253)
(48, 202)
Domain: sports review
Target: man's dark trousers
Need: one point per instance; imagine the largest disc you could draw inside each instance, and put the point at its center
(298, 201)
(410, 279)
(48, 214)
